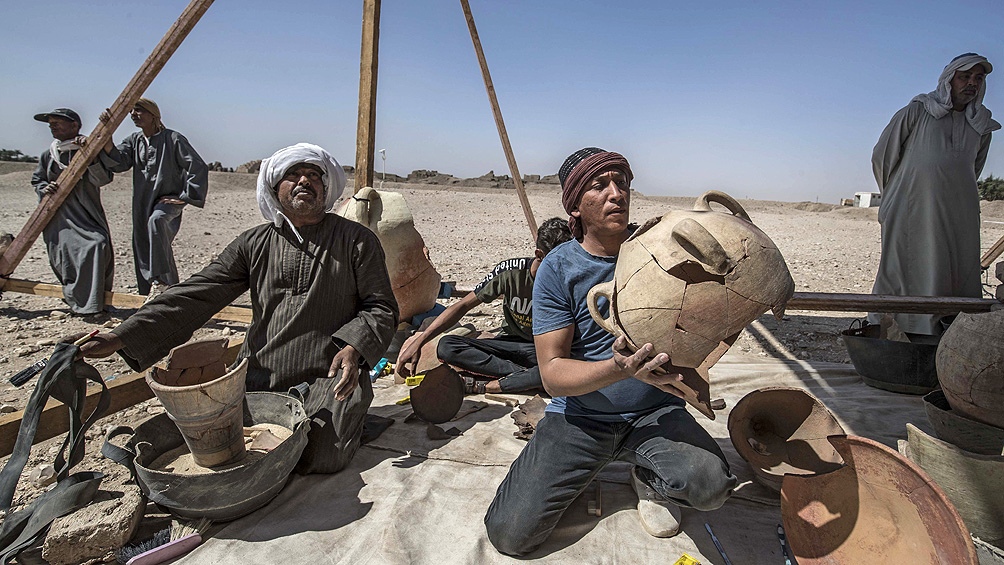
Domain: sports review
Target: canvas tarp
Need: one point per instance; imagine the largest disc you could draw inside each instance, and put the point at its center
(410, 499)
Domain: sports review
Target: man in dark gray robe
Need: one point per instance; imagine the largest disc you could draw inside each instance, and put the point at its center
(926, 164)
(167, 173)
(321, 298)
(77, 237)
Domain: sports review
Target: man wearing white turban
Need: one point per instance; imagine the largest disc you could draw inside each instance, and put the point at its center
(926, 163)
(321, 298)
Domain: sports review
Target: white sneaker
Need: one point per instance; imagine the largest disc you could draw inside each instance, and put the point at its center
(659, 517)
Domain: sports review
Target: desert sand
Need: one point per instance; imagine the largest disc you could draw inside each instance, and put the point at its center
(467, 230)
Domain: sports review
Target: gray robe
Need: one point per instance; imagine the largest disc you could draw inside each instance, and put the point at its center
(164, 165)
(307, 301)
(77, 237)
(927, 170)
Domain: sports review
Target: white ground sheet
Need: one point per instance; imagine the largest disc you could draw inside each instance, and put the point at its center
(408, 499)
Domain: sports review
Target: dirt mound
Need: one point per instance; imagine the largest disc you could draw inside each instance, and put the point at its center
(855, 212)
(992, 210)
(15, 167)
(814, 206)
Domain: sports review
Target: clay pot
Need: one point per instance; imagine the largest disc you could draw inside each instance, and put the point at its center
(879, 508)
(204, 400)
(413, 278)
(782, 430)
(971, 481)
(689, 282)
(970, 363)
(966, 434)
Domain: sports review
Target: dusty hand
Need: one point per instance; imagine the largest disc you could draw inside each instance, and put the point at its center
(410, 354)
(650, 372)
(105, 116)
(101, 345)
(50, 188)
(169, 200)
(347, 361)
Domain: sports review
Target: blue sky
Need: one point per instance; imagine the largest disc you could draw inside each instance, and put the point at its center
(773, 100)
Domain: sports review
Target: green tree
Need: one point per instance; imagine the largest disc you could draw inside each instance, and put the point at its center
(991, 188)
(16, 155)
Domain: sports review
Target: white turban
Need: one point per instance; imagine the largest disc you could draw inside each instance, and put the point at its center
(938, 103)
(275, 167)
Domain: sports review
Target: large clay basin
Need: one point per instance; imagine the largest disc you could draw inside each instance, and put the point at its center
(970, 364)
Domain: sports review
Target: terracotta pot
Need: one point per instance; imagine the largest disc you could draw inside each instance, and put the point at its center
(689, 282)
(412, 276)
(204, 400)
(782, 430)
(970, 365)
(879, 508)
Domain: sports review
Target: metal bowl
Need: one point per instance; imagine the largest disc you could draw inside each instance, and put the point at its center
(221, 495)
(896, 366)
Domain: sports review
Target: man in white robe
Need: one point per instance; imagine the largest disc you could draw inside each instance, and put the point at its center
(926, 163)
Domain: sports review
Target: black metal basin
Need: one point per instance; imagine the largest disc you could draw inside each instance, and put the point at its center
(896, 366)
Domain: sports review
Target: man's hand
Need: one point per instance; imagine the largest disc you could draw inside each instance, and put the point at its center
(50, 188)
(101, 345)
(169, 200)
(410, 354)
(650, 372)
(347, 361)
(105, 116)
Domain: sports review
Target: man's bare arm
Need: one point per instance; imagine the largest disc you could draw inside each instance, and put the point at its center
(411, 350)
(563, 376)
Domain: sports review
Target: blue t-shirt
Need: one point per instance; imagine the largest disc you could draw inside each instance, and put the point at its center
(564, 278)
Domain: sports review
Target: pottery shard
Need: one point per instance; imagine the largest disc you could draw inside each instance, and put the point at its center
(197, 353)
(91, 532)
(214, 371)
(190, 376)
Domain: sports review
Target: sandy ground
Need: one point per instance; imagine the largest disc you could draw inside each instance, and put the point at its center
(467, 230)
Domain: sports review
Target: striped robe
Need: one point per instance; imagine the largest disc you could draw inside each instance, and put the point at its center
(307, 300)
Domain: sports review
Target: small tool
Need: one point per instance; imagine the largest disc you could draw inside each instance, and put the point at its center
(718, 544)
(686, 560)
(25, 375)
(789, 559)
(414, 380)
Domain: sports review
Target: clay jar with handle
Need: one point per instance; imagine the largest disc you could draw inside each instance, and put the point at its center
(688, 283)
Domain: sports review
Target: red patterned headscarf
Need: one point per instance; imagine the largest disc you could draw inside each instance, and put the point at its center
(576, 172)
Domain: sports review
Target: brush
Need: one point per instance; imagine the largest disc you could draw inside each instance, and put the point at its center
(165, 545)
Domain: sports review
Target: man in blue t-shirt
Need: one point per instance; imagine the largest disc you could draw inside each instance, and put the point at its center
(609, 404)
(508, 362)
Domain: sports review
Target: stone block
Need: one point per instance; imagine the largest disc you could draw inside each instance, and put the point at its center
(104, 525)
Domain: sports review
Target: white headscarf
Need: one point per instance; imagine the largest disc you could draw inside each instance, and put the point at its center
(938, 103)
(275, 167)
(57, 147)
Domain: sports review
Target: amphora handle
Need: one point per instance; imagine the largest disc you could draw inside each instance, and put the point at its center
(606, 290)
(704, 201)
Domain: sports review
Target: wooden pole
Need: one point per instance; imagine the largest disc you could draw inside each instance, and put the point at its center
(240, 314)
(102, 133)
(366, 125)
(992, 254)
(841, 302)
(499, 123)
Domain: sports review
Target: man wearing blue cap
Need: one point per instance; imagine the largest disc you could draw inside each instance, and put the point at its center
(77, 237)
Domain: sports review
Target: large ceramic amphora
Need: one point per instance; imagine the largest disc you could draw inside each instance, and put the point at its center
(414, 279)
(688, 283)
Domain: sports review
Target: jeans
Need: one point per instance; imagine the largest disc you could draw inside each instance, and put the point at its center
(674, 455)
(511, 359)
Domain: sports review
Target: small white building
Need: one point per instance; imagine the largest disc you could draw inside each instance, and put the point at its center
(867, 199)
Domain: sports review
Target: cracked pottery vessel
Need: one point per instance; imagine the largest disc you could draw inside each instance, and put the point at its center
(688, 283)
(413, 278)
(970, 364)
(204, 400)
(784, 430)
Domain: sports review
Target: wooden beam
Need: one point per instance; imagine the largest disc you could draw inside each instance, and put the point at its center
(125, 391)
(117, 299)
(499, 122)
(845, 302)
(366, 124)
(102, 133)
(992, 254)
